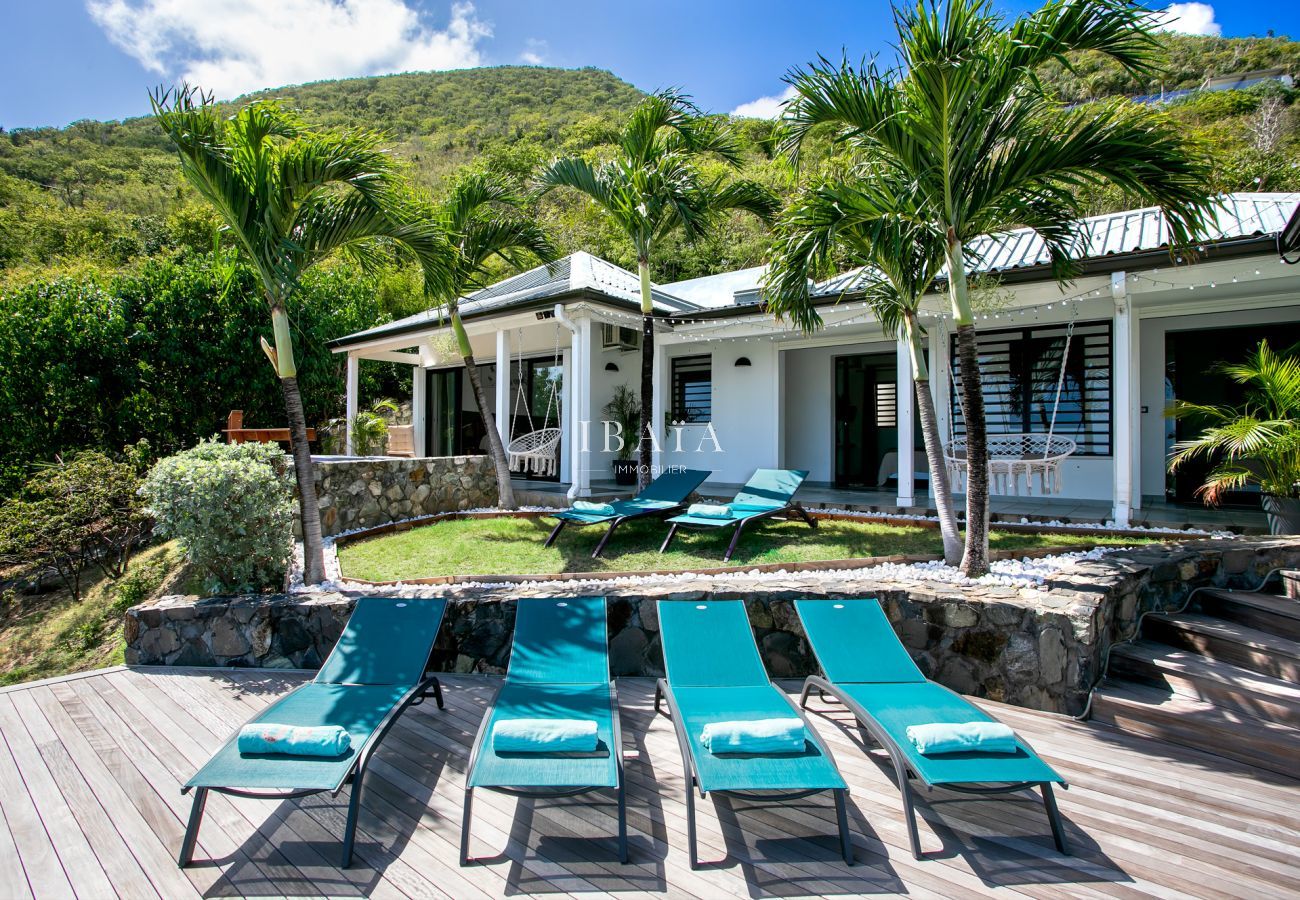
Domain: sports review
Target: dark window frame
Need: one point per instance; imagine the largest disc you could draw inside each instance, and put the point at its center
(688, 373)
(1020, 372)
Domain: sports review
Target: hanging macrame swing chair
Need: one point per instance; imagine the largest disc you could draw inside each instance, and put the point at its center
(1034, 456)
(534, 452)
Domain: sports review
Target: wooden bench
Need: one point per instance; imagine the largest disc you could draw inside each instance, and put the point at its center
(236, 433)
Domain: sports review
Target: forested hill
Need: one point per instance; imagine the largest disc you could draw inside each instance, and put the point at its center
(105, 194)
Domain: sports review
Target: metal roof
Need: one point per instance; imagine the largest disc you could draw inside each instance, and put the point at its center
(1237, 216)
(574, 273)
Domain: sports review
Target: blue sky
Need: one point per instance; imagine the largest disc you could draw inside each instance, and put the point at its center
(72, 59)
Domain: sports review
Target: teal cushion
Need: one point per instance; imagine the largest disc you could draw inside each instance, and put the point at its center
(492, 768)
(811, 769)
(896, 706)
(544, 736)
(359, 709)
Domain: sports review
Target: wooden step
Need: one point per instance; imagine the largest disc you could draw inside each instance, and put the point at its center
(1189, 674)
(1230, 642)
(1156, 713)
(1267, 612)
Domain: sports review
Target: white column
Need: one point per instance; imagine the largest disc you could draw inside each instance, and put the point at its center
(660, 389)
(352, 386)
(503, 385)
(939, 365)
(566, 417)
(778, 406)
(419, 408)
(582, 410)
(1126, 398)
(905, 403)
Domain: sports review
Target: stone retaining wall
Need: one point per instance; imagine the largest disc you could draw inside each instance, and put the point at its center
(1039, 648)
(364, 493)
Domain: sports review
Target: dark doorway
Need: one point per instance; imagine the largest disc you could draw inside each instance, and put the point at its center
(1190, 362)
(453, 426)
(866, 417)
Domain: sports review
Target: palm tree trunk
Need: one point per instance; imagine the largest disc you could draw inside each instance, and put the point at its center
(645, 458)
(505, 490)
(939, 486)
(975, 561)
(313, 552)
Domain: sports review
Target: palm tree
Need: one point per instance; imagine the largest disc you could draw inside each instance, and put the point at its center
(875, 225)
(292, 196)
(652, 187)
(1257, 442)
(481, 218)
(965, 120)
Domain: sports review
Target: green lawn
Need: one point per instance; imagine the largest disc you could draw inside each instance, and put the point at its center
(513, 546)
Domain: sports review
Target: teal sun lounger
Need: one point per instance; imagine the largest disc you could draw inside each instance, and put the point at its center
(869, 671)
(664, 496)
(716, 675)
(559, 670)
(768, 493)
(373, 674)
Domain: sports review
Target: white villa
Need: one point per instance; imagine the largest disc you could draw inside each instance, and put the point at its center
(735, 390)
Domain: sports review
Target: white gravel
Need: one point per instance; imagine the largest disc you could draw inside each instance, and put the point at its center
(1025, 572)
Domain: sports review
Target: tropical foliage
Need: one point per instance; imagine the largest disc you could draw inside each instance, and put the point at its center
(1256, 443)
(74, 515)
(164, 351)
(481, 219)
(292, 197)
(230, 508)
(655, 186)
(965, 130)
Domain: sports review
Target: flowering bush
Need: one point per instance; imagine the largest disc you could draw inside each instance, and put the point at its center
(230, 507)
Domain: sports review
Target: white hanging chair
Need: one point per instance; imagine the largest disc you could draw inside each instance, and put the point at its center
(535, 452)
(1034, 456)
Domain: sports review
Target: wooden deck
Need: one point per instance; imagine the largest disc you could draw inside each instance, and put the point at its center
(90, 769)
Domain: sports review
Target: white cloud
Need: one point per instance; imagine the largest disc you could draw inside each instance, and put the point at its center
(231, 47)
(534, 52)
(1190, 18)
(764, 107)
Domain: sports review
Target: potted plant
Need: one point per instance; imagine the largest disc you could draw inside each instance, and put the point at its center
(624, 409)
(1257, 443)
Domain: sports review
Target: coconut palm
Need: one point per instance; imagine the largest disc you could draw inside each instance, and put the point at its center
(482, 219)
(1257, 442)
(873, 224)
(966, 122)
(292, 196)
(652, 187)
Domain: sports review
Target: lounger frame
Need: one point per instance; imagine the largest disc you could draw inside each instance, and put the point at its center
(547, 793)
(792, 507)
(613, 524)
(663, 692)
(427, 687)
(905, 773)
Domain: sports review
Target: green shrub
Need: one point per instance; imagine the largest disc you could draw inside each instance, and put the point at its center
(78, 513)
(230, 507)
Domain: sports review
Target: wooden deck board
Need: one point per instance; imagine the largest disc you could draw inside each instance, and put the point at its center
(90, 805)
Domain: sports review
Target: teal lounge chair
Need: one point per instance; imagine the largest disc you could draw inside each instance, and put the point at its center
(768, 493)
(716, 675)
(559, 669)
(664, 496)
(375, 671)
(870, 672)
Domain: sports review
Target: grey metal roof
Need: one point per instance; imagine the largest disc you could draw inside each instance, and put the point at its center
(576, 272)
(1240, 215)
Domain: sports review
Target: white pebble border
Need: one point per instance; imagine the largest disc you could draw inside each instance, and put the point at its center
(1014, 573)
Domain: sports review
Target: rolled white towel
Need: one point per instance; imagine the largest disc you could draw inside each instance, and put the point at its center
(709, 510)
(962, 737)
(782, 735)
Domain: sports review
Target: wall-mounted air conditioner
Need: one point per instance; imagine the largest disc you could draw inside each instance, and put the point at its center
(619, 337)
